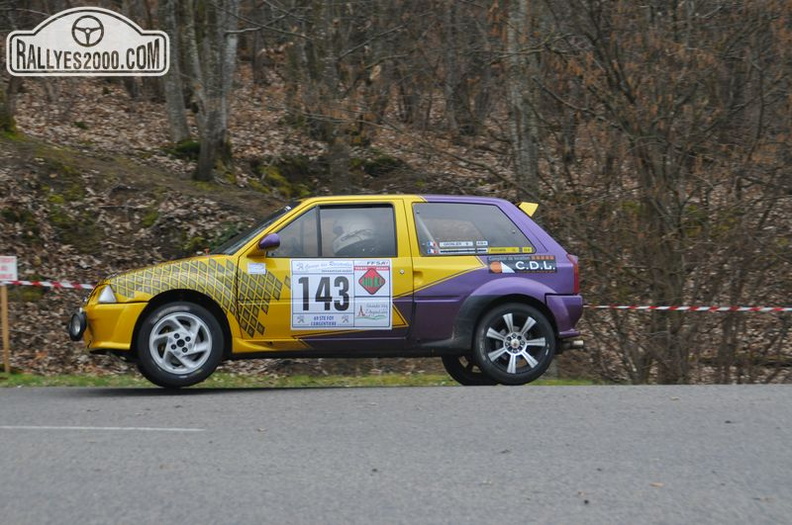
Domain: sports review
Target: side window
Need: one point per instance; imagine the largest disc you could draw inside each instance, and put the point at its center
(339, 231)
(299, 238)
(465, 229)
(358, 231)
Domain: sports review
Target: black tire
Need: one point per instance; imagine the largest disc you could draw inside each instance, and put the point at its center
(179, 344)
(465, 371)
(515, 343)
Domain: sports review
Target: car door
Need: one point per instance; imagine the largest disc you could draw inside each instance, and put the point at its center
(346, 280)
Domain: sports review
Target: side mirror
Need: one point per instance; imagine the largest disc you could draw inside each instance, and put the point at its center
(269, 242)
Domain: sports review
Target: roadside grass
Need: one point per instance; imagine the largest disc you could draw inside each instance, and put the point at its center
(227, 380)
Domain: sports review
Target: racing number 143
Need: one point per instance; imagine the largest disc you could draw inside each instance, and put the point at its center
(324, 294)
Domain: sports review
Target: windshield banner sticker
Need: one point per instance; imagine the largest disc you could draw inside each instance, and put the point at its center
(341, 294)
(522, 264)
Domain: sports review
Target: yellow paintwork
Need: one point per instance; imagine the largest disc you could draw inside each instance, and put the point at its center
(110, 326)
(528, 207)
(257, 305)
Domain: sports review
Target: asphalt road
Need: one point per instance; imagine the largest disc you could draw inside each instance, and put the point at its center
(696, 454)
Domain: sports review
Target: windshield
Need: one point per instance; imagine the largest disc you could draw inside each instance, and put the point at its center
(235, 243)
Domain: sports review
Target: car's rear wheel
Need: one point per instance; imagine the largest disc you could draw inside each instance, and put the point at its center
(515, 343)
(179, 344)
(465, 370)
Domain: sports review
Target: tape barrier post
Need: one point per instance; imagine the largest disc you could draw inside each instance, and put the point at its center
(6, 338)
(8, 272)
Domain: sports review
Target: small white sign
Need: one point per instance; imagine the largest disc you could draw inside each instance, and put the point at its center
(8, 268)
(87, 41)
(257, 268)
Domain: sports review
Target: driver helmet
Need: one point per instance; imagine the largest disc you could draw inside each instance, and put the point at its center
(352, 230)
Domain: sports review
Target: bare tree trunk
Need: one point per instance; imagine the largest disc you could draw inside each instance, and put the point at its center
(523, 66)
(174, 89)
(7, 109)
(192, 61)
(219, 56)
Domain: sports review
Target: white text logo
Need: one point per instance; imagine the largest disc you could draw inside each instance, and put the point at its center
(87, 41)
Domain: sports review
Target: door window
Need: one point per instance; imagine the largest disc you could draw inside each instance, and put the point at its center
(338, 232)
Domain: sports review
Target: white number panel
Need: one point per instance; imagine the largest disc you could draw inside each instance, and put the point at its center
(341, 294)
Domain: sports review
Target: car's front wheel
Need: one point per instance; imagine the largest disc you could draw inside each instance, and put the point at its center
(514, 344)
(465, 371)
(179, 344)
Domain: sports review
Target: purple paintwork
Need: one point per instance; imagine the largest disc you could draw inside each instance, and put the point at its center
(444, 315)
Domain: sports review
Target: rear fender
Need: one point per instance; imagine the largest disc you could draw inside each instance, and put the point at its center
(507, 289)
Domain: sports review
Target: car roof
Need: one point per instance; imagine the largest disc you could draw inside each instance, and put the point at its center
(405, 197)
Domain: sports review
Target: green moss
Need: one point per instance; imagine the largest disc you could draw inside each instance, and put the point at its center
(275, 179)
(55, 198)
(188, 149)
(80, 124)
(195, 244)
(79, 230)
(206, 186)
(228, 231)
(23, 217)
(150, 218)
(26, 294)
(284, 175)
(256, 185)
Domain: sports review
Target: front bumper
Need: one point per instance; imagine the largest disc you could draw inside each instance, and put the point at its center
(106, 327)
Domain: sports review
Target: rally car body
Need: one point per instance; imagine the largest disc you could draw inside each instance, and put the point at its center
(474, 280)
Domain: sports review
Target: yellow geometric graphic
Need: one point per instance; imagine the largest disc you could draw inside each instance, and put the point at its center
(212, 277)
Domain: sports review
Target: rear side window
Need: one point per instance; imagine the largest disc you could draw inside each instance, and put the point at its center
(467, 229)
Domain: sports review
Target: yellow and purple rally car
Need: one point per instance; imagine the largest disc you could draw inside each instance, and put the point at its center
(472, 280)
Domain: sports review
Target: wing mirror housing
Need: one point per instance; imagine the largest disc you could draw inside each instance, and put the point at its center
(269, 242)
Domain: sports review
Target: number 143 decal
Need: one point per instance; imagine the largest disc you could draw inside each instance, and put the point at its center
(342, 295)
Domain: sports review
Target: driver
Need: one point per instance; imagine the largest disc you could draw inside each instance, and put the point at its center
(355, 236)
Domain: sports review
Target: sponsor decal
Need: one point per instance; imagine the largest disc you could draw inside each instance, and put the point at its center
(342, 295)
(87, 41)
(455, 247)
(522, 264)
(511, 249)
(255, 268)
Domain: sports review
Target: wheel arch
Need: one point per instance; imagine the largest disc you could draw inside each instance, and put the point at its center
(517, 298)
(475, 307)
(190, 296)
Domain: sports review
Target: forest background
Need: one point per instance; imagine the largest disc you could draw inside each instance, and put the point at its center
(655, 135)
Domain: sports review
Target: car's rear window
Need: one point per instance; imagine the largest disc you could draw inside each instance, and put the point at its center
(465, 229)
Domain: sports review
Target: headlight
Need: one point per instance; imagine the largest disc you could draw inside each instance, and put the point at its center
(106, 296)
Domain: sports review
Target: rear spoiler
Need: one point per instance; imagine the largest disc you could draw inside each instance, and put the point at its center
(528, 207)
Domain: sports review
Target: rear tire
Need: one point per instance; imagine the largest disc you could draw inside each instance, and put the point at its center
(515, 343)
(179, 344)
(465, 371)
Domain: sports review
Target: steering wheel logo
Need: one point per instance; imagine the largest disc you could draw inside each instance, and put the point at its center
(87, 31)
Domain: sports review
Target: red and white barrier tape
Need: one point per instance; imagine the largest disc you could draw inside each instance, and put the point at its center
(695, 308)
(83, 286)
(51, 284)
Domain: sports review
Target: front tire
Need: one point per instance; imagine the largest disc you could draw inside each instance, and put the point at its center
(179, 344)
(515, 343)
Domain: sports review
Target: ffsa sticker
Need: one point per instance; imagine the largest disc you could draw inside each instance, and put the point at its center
(341, 294)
